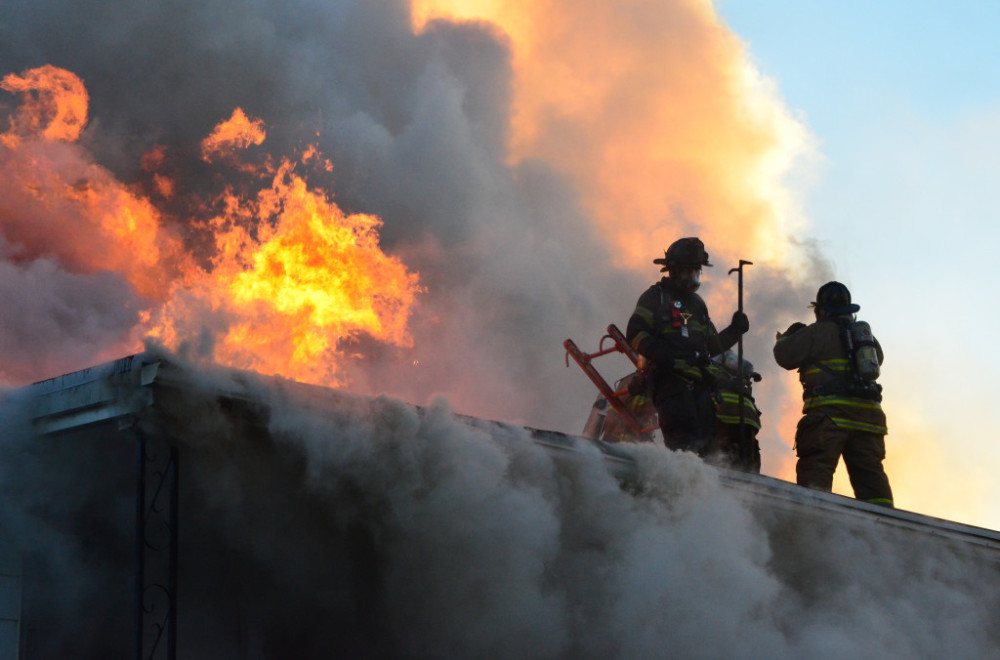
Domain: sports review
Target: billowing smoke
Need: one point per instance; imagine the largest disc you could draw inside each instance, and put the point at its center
(52, 305)
(527, 166)
(526, 162)
(317, 525)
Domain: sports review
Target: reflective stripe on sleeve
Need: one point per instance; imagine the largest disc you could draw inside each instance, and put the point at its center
(750, 411)
(645, 314)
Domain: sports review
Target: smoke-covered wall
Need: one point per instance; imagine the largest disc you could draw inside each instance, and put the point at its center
(316, 525)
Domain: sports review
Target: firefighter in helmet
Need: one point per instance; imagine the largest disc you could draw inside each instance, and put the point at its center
(671, 329)
(736, 434)
(841, 414)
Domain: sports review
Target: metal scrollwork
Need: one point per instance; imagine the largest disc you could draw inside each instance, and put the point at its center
(156, 549)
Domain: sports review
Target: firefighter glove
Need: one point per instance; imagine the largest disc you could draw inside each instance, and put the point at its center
(740, 322)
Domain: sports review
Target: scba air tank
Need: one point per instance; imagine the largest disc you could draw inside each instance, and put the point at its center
(865, 355)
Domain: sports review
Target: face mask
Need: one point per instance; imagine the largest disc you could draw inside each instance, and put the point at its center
(687, 279)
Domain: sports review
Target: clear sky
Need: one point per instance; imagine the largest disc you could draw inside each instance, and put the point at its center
(903, 100)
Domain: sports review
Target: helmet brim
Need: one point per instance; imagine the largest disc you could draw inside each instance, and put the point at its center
(838, 311)
(666, 266)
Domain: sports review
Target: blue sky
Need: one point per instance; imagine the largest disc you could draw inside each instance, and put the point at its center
(903, 101)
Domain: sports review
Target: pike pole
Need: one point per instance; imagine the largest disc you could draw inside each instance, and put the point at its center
(744, 448)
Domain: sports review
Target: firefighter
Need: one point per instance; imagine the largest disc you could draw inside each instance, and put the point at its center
(841, 414)
(605, 424)
(671, 329)
(735, 436)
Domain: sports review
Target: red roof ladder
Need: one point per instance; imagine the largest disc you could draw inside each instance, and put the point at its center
(613, 397)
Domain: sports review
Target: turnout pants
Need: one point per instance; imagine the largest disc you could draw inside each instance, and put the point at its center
(819, 444)
(687, 415)
(735, 449)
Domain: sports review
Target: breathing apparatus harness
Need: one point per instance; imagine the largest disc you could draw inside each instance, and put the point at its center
(737, 377)
(858, 343)
(699, 358)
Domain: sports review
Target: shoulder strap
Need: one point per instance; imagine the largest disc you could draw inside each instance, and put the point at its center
(665, 302)
(847, 341)
(852, 384)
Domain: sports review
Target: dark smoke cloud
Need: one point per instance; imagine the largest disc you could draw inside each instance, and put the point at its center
(416, 127)
(514, 555)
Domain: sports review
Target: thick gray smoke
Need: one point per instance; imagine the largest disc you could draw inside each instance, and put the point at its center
(313, 525)
(416, 127)
(407, 535)
(52, 304)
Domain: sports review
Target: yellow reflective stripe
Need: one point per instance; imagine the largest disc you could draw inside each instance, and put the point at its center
(837, 365)
(696, 327)
(749, 414)
(637, 403)
(735, 398)
(645, 314)
(836, 400)
(735, 419)
(854, 425)
(880, 500)
(639, 337)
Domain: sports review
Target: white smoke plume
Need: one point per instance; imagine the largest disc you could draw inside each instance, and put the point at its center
(315, 525)
(96, 310)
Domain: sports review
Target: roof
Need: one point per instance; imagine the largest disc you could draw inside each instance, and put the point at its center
(137, 387)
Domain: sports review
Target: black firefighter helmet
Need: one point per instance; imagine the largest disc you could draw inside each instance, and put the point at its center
(684, 252)
(833, 299)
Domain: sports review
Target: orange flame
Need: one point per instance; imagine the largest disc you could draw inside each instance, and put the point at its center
(291, 291)
(54, 105)
(237, 132)
(58, 203)
(293, 276)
